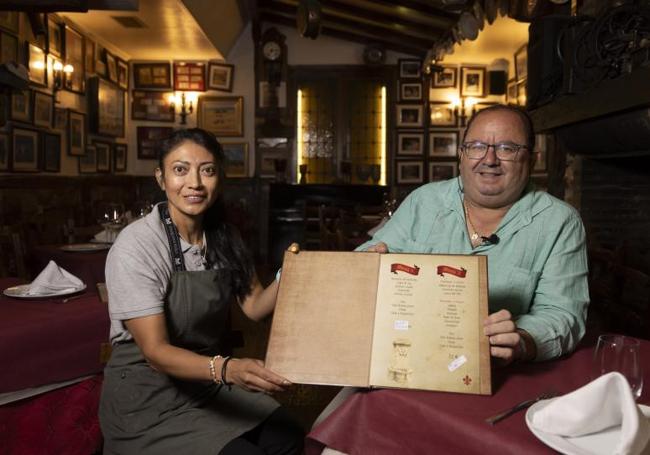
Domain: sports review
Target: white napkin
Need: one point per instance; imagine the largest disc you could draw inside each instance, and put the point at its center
(54, 279)
(103, 236)
(605, 402)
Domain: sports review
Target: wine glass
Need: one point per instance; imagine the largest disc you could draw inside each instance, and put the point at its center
(141, 209)
(619, 353)
(111, 217)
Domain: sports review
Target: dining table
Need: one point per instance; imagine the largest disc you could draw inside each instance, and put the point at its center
(392, 421)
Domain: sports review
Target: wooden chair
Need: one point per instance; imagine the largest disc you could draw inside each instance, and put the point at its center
(12, 253)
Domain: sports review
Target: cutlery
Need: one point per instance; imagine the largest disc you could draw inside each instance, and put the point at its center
(519, 406)
(71, 298)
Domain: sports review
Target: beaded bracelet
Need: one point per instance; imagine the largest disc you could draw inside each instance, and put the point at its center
(223, 371)
(213, 372)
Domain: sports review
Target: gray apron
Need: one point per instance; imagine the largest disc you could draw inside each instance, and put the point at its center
(146, 412)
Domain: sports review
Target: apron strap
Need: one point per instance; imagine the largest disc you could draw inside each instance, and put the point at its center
(178, 263)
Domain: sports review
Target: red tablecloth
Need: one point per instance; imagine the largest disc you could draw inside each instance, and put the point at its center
(87, 266)
(404, 422)
(45, 341)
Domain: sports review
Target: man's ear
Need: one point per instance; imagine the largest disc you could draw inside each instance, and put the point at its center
(159, 178)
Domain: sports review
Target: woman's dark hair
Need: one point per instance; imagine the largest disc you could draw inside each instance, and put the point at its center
(225, 246)
(526, 121)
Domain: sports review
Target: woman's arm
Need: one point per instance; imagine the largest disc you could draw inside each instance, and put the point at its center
(260, 302)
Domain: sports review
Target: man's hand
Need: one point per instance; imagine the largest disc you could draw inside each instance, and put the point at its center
(505, 339)
(380, 247)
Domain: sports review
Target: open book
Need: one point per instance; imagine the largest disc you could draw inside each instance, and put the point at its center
(382, 320)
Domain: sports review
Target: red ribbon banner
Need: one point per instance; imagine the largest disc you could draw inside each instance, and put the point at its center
(461, 272)
(394, 268)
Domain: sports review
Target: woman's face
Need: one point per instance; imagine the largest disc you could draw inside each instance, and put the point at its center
(189, 179)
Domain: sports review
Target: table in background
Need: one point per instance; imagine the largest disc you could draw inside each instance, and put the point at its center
(384, 421)
(88, 266)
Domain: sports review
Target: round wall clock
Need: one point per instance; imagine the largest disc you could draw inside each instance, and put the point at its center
(272, 50)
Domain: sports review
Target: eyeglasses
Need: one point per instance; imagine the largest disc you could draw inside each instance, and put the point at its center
(505, 151)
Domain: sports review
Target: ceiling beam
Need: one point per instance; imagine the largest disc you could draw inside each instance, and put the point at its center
(52, 6)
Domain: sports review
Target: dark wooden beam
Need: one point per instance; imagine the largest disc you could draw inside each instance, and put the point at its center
(398, 12)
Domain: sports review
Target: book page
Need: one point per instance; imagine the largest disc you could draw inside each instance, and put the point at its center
(428, 323)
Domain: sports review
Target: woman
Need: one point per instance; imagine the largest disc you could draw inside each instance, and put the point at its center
(169, 386)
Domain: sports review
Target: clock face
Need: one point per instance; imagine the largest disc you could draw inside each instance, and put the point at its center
(271, 50)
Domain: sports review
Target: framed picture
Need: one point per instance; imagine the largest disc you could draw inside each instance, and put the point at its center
(541, 147)
(149, 138)
(54, 36)
(60, 120)
(472, 81)
(105, 108)
(100, 60)
(446, 78)
(119, 157)
(521, 63)
(236, 154)
(25, 150)
(221, 115)
(409, 115)
(442, 114)
(440, 170)
(410, 143)
(37, 65)
(443, 143)
(90, 56)
(76, 133)
(8, 48)
(409, 172)
(220, 76)
(410, 91)
(103, 154)
(88, 161)
(51, 152)
(152, 75)
(152, 105)
(4, 152)
(111, 67)
(511, 92)
(189, 76)
(410, 68)
(75, 55)
(122, 74)
(9, 20)
(21, 106)
(43, 109)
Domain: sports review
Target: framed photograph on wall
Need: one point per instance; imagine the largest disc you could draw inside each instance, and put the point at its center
(4, 152)
(152, 75)
(8, 48)
(410, 143)
(152, 105)
(122, 74)
(36, 64)
(54, 36)
(443, 143)
(103, 153)
(442, 170)
(21, 106)
(189, 76)
(149, 138)
(76, 56)
(111, 67)
(221, 115)
(119, 157)
(24, 156)
(220, 76)
(409, 115)
(446, 78)
(105, 108)
(236, 154)
(76, 133)
(442, 114)
(88, 161)
(43, 109)
(472, 81)
(521, 63)
(410, 91)
(409, 68)
(51, 152)
(9, 20)
(60, 119)
(100, 60)
(409, 172)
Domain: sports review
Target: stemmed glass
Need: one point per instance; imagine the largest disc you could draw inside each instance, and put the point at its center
(619, 353)
(111, 217)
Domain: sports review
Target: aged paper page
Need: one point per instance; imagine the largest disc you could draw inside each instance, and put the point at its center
(322, 325)
(428, 324)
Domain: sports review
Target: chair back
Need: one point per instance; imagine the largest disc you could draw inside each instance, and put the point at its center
(12, 253)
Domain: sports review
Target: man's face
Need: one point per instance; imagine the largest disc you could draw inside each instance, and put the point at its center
(490, 182)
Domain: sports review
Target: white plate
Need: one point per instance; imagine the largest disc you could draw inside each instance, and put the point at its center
(602, 443)
(86, 247)
(20, 292)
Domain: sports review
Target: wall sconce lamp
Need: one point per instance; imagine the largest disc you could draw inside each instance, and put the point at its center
(463, 108)
(60, 76)
(186, 103)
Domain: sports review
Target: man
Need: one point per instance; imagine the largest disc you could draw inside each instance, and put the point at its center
(535, 243)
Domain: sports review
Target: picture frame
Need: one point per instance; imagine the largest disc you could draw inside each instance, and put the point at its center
(221, 115)
(446, 78)
(111, 67)
(51, 152)
(24, 155)
(100, 60)
(220, 76)
(54, 36)
(541, 151)
(122, 74)
(103, 156)
(442, 170)
(8, 47)
(36, 64)
(156, 75)
(90, 56)
(152, 105)
(120, 157)
(10, 21)
(443, 143)
(5, 152)
(410, 143)
(409, 115)
(511, 91)
(105, 108)
(76, 133)
(149, 138)
(76, 56)
(472, 81)
(409, 68)
(409, 172)
(189, 76)
(410, 91)
(43, 109)
(21, 107)
(60, 119)
(442, 114)
(88, 161)
(521, 63)
(236, 154)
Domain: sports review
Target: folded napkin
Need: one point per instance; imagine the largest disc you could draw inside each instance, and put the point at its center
(603, 403)
(54, 279)
(103, 236)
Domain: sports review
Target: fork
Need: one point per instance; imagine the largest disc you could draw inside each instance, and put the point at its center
(519, 406)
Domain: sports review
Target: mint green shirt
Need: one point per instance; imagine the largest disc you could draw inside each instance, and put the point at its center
(537, 270)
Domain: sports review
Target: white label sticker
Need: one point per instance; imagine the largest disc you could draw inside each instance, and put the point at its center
(456, 363)
(401, 325)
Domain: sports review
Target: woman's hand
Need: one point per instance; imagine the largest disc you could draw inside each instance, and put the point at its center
(250, 374)
(505, 344)
(380, 247)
